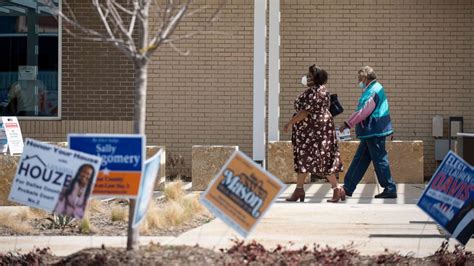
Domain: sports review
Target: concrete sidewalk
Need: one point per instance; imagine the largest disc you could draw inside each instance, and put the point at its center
(369, 225)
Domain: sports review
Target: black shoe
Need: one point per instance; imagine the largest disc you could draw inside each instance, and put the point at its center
(348, 193)
(386, 195)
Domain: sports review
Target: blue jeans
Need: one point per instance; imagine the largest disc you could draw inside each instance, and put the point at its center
(371, 149)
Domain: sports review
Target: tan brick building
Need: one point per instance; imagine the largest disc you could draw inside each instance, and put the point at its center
(422, 51)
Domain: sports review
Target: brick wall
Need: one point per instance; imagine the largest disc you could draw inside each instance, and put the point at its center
(204, 98)
(422, 52)
(57, 131)
(97, 79)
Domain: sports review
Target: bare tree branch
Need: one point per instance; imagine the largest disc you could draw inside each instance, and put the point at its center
(69, 10)
(122, 35)
(122, 8)
(168, 28)
(197, 10)
(87, 33)
(166, 14)
(204, 28)
(133, 19)
(118, 21)
(181, 52)
(103, 18)
(99, 39)
(174, 21)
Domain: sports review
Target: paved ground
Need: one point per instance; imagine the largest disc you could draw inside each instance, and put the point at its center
(370, 225)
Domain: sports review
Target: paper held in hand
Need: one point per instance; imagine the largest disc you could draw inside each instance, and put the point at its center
(344, 135)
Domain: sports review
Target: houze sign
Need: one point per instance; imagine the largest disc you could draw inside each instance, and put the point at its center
(54, 179)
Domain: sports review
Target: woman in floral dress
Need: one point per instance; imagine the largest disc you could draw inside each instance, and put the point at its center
(315, 147)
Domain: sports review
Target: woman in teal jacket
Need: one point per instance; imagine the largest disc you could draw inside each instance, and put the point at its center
(372, 125)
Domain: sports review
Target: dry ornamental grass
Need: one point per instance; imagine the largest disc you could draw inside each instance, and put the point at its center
(17, 222)
(172, 214)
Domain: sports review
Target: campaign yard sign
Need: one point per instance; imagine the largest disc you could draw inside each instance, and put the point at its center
(241, 193)
(147, 184)
(55, 179)
(449, 197)
(122, 161)
(13, 134)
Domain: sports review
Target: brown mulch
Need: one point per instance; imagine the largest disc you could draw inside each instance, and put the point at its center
(102, 224)
(240, 254)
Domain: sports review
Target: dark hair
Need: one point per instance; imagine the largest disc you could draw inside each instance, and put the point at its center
(76, 179)
(320, 76)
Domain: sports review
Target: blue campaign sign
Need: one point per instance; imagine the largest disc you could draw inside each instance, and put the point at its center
(122, 161)
(449, 197)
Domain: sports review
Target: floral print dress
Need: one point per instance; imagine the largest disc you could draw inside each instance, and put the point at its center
(315, 147)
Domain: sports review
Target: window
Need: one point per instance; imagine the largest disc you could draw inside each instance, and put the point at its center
(29, 60)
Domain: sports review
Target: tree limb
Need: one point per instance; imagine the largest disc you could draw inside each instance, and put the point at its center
(122, 35)
(205, 26)
(168, 30)
(102, 17)
(179, 51)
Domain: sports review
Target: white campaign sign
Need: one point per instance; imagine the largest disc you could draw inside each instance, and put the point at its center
(46, 171)
(13, 134)
(147, 184)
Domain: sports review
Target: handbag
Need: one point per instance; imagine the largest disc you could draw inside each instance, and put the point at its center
(335, 107)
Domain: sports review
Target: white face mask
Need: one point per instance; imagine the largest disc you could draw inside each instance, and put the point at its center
(304, 81)
(362, 85)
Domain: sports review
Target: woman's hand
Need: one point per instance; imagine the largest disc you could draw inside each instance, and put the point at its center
(342, 127)
(287, 127)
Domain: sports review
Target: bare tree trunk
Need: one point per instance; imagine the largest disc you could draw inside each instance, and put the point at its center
(139, 115)
(138, 128)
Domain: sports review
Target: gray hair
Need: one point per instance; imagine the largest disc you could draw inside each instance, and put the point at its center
(367, 72)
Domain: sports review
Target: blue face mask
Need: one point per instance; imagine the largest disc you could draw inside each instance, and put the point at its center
(362, 85)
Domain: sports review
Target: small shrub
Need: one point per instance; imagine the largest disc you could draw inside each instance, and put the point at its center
(174, 190)
(95, 206)
(24, 214)
(174, 163)
(37, 213)
(85, 226)
(173, 214)
(177, 210)
(118, 214)
(154, 218)
(17, 222)
(192, 205)
(59, 221)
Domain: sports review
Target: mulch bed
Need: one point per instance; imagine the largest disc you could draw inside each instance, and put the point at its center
(240, 254)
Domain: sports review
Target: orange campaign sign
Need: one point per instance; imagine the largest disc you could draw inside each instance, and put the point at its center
(241, 193)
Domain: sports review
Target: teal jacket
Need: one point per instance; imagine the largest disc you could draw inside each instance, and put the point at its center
(377, 124)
